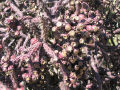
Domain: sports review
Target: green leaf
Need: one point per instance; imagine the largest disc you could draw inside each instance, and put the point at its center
(110, 42)
(115, 41)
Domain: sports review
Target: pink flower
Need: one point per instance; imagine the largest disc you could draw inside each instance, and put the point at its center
(81, 16)
(22, 88)
(19, 28)
(89, 27)
(25, 75)
(0, 46)
(33, 41)
(95, 28)
(36, 59)
(13, 57)
(60, 55)
(17, 33)
(10, 67)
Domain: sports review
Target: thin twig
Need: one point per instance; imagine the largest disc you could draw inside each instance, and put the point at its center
(116, 31)
(96, 73)
(26, 40)
(57, 5)
(3, 29)
(13, 79)
(18, 43)
(50, 52)
(16, 9)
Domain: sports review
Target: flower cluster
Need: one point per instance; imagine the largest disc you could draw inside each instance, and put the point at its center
(60, 44)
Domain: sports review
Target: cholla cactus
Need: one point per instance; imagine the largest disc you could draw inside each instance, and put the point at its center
(69, 41)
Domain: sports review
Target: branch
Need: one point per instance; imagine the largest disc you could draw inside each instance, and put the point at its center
(57, 5)
(77, 11)
(3, 87)
(3, 40)
(96, 72)
(17, 2)
(3, 29)
(64, 74)
(12, 41)
(16, 9)
(13, 79)
(18, 43)
(50, 52)
(26, 40)
(116, 31)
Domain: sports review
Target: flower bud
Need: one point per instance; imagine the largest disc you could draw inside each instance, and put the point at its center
(54, 29)
(71, 8)
(11, 17)
(13, 56)
(64, 62)
(101, 21)
(34, 77)
(73, 44)
(19, 27)
(5, 65)
(81, 16)
(36, 59)
(64, 53)
(59, 24)
(19, 88)
(83, 11)
(89, 27)
(4, 58)
(72, 3)
(17, 33)
(0, 46)
(42, 77)
(71, 33)
(75, 51)
(89, 20)
(76, 18)
(10, 67)
(53, 41)
(80, 26)
(56, 51)
(72, 17)
(60, 55)
(43, 62)
(65, 78)
(67, 17)
(24, 75)
(69, 48)
(76, 67)
(74, 85)
(65, 36)
(22, 83)
(64, 45)
(95, 28)
(81, 41)
(26, 59)
(77, 2)
(67, 27)
(72, 75)
(73, 60)
(27, 79)
(72, 80)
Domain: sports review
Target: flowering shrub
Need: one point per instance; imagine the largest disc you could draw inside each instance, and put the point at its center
(59, 45)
